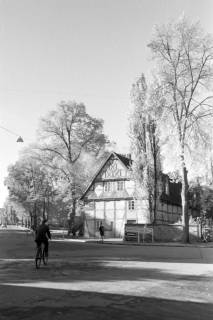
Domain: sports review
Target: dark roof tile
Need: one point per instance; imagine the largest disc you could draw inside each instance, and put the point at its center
(126, 161)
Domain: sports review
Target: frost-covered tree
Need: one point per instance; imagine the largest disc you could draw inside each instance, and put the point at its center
(184, 72)
(66, 134)
(145, 145)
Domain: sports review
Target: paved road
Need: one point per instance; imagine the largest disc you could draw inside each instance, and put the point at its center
(94, 281)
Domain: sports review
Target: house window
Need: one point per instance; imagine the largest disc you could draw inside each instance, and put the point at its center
(167, 188)
(131, 205)
(160, 188)
(120, 185)
(131, 221)
(107, 186)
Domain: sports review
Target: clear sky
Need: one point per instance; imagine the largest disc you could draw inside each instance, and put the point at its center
(87, 50)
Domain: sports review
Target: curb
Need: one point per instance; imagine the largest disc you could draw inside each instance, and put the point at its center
(190, 245)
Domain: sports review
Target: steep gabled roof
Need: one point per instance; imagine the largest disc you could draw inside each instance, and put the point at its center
(174, 196)
(124, 160)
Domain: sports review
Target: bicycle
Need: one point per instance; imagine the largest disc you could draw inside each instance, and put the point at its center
(40, 255)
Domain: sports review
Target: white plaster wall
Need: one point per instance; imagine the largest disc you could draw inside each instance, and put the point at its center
(119, 226)
(142, 211)
(109, 211)
(120, 218)
(132, 215)
(130, 187)
(99, 212)
(89, 212)
(120, 205)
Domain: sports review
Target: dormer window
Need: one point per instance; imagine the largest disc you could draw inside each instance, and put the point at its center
(107, 186)
(120, 185)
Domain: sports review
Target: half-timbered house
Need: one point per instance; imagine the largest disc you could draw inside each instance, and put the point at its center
(111, 198)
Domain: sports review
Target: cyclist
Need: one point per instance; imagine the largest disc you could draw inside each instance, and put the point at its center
(42, 236)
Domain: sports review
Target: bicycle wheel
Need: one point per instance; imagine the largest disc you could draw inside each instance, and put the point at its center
(38, 258)
(44, 257)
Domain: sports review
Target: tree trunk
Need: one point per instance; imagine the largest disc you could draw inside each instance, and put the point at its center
(44, 209)
(185, 209)
(35, 216)
(70, 224)
(155, 178)
(71, 220)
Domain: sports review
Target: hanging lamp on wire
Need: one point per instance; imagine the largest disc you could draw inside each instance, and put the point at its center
(20, 139)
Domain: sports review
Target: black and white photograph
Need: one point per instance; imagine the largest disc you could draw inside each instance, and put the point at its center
(106, 162)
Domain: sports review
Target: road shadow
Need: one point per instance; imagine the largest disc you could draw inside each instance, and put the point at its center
(35, 303)
(23, 270)
(98, 282)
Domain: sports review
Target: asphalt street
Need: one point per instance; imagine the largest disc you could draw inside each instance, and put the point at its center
(104, 281)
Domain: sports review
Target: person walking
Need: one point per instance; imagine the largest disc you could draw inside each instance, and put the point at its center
(101, 230)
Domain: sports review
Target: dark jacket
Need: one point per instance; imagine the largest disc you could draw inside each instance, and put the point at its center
(43, 233)
(101, 230)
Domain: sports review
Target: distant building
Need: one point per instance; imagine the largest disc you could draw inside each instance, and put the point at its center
(3, 217)
(111, 198)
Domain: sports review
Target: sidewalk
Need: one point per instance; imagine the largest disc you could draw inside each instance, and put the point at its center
(61, 237)
(14, 228)
(120, 241)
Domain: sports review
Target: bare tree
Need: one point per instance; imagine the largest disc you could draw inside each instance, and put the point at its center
(184, 55)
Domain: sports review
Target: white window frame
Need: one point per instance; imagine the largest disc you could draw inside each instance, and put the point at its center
(107, 186)
(131, 205)
(131, 221)
(167, 188)
(120, 185)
